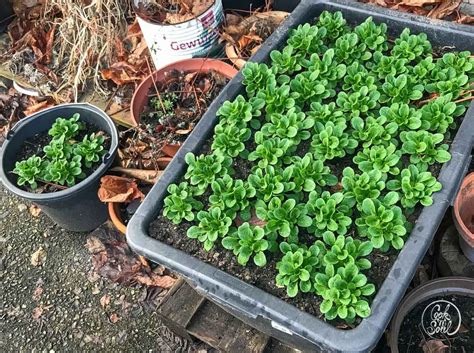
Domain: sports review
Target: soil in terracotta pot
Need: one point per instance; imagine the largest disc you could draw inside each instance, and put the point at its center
(413, 338)
(34, 146)
(170, 116)
(171, 11)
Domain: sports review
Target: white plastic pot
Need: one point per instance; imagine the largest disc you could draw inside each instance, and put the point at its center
(169, 43)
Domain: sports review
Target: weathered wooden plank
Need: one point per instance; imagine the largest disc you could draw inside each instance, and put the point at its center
(178, 307)
(275, 346)
(219, 329)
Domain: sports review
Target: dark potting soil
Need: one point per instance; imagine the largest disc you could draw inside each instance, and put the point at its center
(34, 146)
(416, 328)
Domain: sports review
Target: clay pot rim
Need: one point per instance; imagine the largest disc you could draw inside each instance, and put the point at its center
(230, 49)
(440, 286)
(206, 65)
(114, 214)
(462, 229)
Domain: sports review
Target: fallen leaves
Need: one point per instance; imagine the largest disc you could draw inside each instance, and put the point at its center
(38, 257)
(35, 210)
(147, 176)
(38, 107)
(37, 312)
(113, 259)
(114, 318)
(118, 189)
(105, 300)
(434, 346)
(435, 9)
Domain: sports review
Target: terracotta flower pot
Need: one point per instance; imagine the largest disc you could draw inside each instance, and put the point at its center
(115, 217)
(140, 97)
(231, 50)
(170, 149)
(464, 216)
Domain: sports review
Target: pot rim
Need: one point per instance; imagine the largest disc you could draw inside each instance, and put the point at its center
(179, 63)
(440, 286)
(114, 214)
(107, 159)
(467, 235)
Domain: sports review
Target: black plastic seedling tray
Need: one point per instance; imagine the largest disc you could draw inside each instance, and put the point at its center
(262, 310)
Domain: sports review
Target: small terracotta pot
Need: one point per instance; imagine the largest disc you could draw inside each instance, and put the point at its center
(230, 49)
(170, 149)
(464, 216)
(114, 214)
(140, 97)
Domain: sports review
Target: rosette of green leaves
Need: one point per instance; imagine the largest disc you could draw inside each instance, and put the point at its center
(91, 149)
(307, 39)
(358, 103)
(247, 242)
(400, 89)
(29, 171)
(286, 61)
(64, 171)
(330, 211)
(415, 186)
(58, 149)
(349, 48)
(403, 115)
(232, 195)
(331, 140)
(373, 131)
(372, 35)
(462, 62)
(239, 111)
(424, 148)
(309, 174)
(180, 203)
(357, 77)
(257, 77)
(270, 182)
(204, 169)
(438, 115)
(326, 67)
(293, 126)
(358, 187)
(410, 46)
(213, 224)
(269, 150)
(448, 82)
(344, 293)
(383, 222)
(343, 250)
(277, 98)
(66, 127)
(296, 268)
(382, 158)
(324, 112)
(283, 217)
(423, 70)
(307, 87)
(229, 140)
(383, 65)
(335, 25)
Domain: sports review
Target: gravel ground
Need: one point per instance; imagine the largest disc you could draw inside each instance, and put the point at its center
(60, 304)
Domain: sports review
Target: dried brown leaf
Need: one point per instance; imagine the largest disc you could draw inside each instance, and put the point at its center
(118, 189)
(37, 107)
(444, 9)
(94, 245)
(35, 210)
(105, 300)
(419, 3)
(465, 19)
(147, 176)
(37, 312)
(114, 318)
(434, 346)
(38, 257)
(154, 280)
(37, 293)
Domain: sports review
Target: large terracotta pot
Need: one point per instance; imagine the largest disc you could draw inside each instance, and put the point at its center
(140, 97)
(464, 216)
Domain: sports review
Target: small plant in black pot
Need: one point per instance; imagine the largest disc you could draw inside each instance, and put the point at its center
(56, 157)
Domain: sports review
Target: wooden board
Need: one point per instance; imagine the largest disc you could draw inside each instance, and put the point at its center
(214, 326)
(178, 308)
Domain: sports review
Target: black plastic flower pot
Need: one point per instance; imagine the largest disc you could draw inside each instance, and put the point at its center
(6, 15)
(260, 309)
(76, 208)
